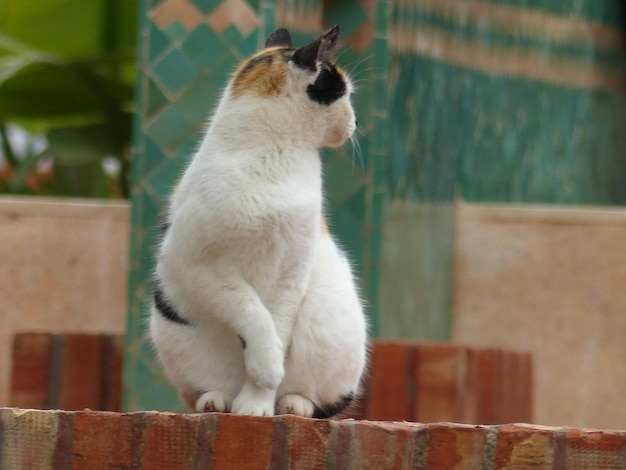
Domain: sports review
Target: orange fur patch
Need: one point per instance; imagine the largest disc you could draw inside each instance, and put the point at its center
(324, 226)
(190, 399)
(263, 74)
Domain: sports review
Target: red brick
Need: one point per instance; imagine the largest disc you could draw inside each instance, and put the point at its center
(518, 386)
(28, 439)
(169, 441)
(447, 382)
(439, 382)
(81, 372)
(207, 430)
(486, 386)
(456, 446)
(29, 374)
(307, 442)
(68, 371)
(54, 439)
(595, 449)
(63, 445)
(112, 366)
(341, 443)
(243, 442)
(101, 440)
(390, 393)
(524, 446)
(420, 435)
(382, 445)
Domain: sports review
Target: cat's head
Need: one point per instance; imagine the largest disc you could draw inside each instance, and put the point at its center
(305, 89)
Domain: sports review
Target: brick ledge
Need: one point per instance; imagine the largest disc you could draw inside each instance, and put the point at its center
(93, 439)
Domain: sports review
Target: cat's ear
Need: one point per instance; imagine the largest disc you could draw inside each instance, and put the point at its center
(280, 37)
(319, 50)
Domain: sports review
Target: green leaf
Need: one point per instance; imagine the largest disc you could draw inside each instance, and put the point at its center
(71, 28)
(32, 88)
(80, 145)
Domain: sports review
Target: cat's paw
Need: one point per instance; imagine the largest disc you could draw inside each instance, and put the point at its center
(253, 401)
(211, 401)
(295, 404)
(264, 365)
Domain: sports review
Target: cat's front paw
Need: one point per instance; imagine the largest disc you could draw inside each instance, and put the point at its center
(253, 401)
(265, 365)
(211, 401)
(295, 404)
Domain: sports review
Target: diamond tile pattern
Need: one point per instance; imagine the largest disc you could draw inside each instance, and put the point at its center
(174, 72)
(190, 48)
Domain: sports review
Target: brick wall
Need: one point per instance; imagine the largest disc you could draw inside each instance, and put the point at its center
(430, 382)
(151, 440)
(67, 371)
(407, 381)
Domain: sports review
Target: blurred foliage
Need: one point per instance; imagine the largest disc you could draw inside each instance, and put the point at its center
(67, 72)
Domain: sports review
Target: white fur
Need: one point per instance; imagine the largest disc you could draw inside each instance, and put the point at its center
(245, 255)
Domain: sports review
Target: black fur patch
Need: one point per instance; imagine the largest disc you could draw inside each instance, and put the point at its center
(243, 341)
(280, 37)
(165, 226)
(165, 309)
(328, 411)
(328, 87)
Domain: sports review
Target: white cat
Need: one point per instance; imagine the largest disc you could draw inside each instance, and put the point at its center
(255, 308)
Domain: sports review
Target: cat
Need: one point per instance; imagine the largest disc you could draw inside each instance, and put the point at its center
(255, 308)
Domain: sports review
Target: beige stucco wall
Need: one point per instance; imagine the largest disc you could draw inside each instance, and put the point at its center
(552, 281)
(63, 267)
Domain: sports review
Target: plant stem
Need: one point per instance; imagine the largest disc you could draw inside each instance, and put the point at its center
(9, 154)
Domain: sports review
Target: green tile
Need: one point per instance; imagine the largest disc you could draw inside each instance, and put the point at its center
(197, 102)
(348, 14)
(176, 32)
(255, 5)
(206, 6)
(174, 72)
(202, 46)
(249, 45)
(342, 178)
(153, 203)
(164, 178)
(169, 129)
(156, 100)
(157, 44)
(231, 35)
(222, 70)
(163, 397)
(153, 156)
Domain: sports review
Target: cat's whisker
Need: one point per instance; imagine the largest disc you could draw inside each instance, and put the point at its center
(353, 65)
(356, 150)
(342, 51)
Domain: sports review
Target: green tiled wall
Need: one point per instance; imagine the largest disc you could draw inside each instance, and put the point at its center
(484, 129)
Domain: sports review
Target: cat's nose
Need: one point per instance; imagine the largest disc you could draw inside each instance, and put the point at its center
(356, 122)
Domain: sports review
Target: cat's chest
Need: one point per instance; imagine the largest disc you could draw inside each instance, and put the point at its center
(252, 208)
(274, 193)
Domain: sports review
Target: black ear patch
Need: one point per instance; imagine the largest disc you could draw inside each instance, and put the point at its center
(306, 57)
(280, 37)
(328, 42)
(328, 87)
(319, 50)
